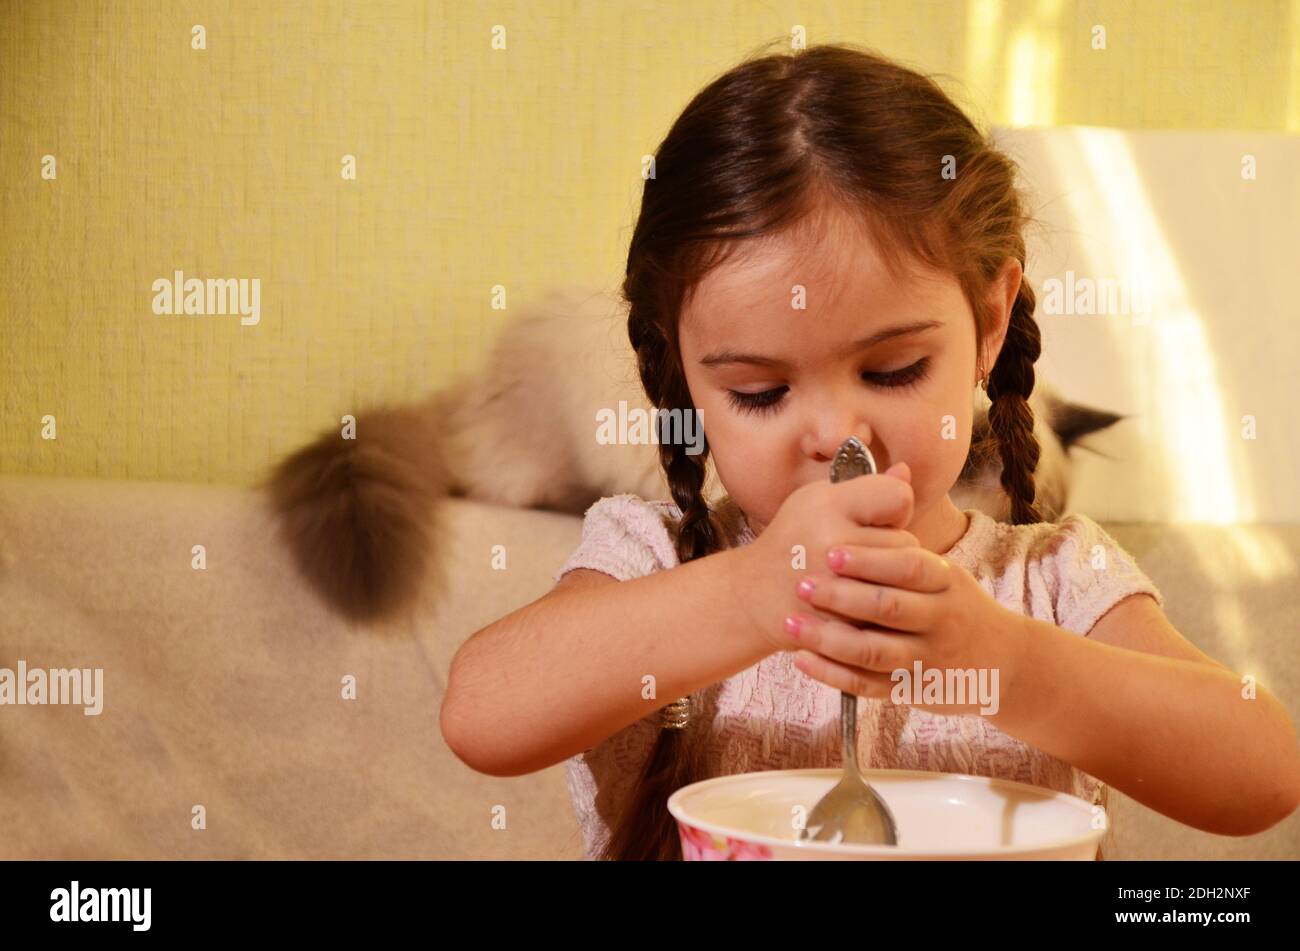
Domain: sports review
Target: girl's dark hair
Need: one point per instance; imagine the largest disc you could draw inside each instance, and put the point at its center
(756, 151)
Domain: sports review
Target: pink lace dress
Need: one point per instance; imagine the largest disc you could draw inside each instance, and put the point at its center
(773, 716)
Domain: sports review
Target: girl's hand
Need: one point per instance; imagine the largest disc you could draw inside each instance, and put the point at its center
(813, 519)
(907, 605)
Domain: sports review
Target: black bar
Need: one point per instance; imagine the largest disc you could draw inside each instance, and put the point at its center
(333, 899)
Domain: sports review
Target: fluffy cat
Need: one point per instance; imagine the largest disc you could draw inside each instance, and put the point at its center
(360, 516)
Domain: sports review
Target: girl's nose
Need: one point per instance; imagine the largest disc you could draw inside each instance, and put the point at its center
(822, 442)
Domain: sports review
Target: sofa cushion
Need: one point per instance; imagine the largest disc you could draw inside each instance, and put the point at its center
(223, 687)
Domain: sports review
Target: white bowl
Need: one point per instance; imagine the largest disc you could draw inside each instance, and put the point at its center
(939, 816)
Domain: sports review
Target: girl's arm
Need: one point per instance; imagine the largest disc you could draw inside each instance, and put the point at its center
(1175, 734)
(563, 673)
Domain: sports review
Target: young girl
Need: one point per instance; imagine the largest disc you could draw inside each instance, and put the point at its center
(828, 247)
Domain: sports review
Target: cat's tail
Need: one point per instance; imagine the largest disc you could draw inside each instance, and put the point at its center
(360, 515)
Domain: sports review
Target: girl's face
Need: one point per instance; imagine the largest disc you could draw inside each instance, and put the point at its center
(890, 360)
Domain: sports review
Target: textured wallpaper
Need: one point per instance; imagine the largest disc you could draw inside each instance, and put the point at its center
(355, 179)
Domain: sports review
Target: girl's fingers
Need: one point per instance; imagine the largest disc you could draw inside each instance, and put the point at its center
(878, 500)
(862, 683)
(914, 569)
(874, 536)
(867, 649)
(862, 601)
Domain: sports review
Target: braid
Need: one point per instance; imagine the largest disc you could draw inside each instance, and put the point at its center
(696, 533)
(645, 829)
(1010, 418)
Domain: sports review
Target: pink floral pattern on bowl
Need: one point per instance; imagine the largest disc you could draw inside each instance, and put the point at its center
(701, 846)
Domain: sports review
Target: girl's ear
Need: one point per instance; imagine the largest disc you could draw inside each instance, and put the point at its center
(1000, 299)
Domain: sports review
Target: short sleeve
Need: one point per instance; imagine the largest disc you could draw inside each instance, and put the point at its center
(1093, 574)
(625, 536)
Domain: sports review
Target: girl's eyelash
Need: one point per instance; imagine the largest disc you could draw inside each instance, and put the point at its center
(769, 400)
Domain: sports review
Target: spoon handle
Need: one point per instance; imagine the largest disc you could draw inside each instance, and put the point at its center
(849, 730)
(851, 460)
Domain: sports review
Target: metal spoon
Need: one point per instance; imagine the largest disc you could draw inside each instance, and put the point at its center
(852, 812)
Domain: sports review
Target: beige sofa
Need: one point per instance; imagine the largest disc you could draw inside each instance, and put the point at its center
(223, 687)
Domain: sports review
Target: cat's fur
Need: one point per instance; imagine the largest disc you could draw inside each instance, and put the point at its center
(360, 516)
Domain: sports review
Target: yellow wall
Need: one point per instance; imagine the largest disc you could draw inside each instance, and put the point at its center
(475, 167)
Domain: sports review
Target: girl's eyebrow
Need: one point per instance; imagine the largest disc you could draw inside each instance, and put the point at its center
(726, 357)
